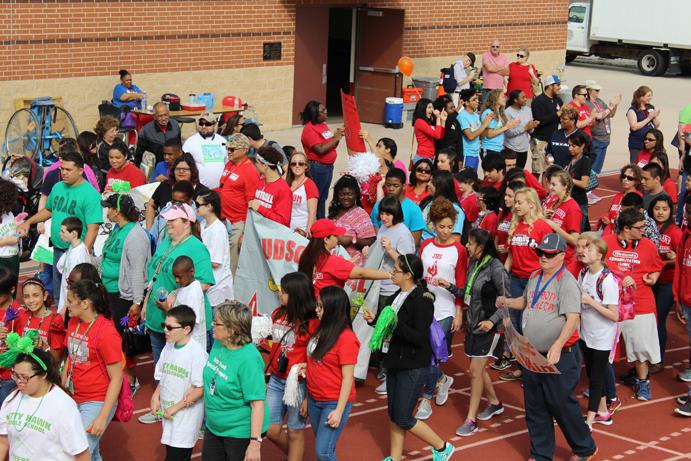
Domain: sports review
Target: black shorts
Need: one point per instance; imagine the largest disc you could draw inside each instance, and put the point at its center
(483, 345)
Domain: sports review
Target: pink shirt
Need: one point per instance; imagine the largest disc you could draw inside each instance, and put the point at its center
(493, 80)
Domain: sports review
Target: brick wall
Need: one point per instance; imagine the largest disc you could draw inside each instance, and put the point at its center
(80, 38)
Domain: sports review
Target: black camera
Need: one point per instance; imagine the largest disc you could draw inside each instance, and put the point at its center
(282, 365)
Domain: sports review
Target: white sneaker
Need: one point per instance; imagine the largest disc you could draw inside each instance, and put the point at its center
(592, 198)
(443, 390)
(381, 389)
(424, 410)
(149, 418)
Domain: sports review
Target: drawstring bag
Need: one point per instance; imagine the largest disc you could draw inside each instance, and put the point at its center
(437, 340)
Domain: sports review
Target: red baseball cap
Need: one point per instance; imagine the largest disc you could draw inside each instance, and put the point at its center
(324, 227)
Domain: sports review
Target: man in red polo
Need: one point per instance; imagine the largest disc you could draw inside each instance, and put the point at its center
(238, 185)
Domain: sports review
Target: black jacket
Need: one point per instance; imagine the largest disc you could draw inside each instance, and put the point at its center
(545, 111)
(409, 347)
(152, 139)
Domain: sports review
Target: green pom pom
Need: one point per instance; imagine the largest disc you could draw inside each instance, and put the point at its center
(11, 340)
(25, 345)
(386, 324)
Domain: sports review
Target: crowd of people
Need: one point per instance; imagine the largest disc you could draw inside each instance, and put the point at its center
(472, 241)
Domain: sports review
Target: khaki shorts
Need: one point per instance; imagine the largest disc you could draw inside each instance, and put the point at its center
(236, 232)
(640, 337)
(537, 153)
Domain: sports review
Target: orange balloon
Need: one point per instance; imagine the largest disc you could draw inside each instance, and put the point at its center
(405, 65)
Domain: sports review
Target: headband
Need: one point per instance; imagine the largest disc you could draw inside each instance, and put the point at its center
(405, 258)
(266, 162)
(20, 345)
(34, 281)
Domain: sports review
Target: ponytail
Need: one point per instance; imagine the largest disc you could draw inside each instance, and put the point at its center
(93, 291)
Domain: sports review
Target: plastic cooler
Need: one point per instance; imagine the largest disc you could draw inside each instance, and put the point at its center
(428, 86)
(393, 113)
(207, 99)
(412, 94)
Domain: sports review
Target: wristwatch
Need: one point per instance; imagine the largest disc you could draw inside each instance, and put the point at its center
(257, 439)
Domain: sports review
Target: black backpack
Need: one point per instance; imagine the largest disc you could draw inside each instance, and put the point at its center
(448, 80)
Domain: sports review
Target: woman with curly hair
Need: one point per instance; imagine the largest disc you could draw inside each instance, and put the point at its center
(346, 211)
(493, 137)
(107, 131)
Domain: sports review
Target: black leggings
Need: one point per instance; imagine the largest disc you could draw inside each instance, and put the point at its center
(595, 367)
(217, 448)
(178, 454)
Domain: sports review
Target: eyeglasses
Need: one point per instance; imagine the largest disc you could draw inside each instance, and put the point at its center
(396, 271)
(423, 170)
(219, 324)
(206, 124)
(495, 46)
(627, 177)
(543, 254)
(518, 55)
(582, 94)
(240, 124)
(298, 164)
(649, 139)
(169, 327)
(182, 169)
(231, 149)
(23, 379)
(638, 228)
(199, 205)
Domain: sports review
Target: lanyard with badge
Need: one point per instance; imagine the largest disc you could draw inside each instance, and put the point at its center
(473, 276)
(76, 350)
(537, 294)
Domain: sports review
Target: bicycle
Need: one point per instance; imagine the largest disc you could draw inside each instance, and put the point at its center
(35, 132)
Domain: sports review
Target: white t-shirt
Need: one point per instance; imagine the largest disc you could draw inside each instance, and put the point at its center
(177, 371)
(597, 331)
(300, 213)
(54, 433)
(192, 296)
(403, 242)
(215, 237)
(8, 228)
(210, 155)
(442, 262)
(69, 259)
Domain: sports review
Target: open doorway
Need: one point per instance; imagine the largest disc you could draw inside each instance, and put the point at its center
(338, 75)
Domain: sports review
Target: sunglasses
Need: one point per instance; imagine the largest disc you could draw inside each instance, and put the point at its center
(231, 149)
(423, 170)
(206, 124)
(582, 94)
(298, 163)
(199, 205)
(541, 254)
(649, 140)
(518, 55)
(627, 177)
(495, 46)
(169, 327)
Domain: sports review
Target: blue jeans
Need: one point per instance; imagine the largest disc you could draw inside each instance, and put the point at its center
(471, 162)
(89, 411)
(682, 198)
(325, 436)
(275, 389)
(46, 276)
(322, 175)
(57, 277)
(664, 300)
(6, 388)
(517, 285)
(610, 389)
(600, 150)
(158, 342)
(403, 388)
(435, 373)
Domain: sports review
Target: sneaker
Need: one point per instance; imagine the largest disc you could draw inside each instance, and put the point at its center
(424, 410)
(502, 364)
(381, 389)
(583, 458)
(684, 410)
(684, 399)
(491, 410)
(388, 458)
(605, 419)
(444, 454)
(655, 368)
(642, 390)
(381, 376)
(467, 429)
(134, 387)
(511, 375)
(613, 405)
(685, 375)
(149, 418)
(593, 199)
(443, 390)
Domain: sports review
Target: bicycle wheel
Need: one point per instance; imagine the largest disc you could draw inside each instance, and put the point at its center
(61, 126)
(22, 134)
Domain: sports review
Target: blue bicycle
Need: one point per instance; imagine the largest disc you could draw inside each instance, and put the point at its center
(36, 131)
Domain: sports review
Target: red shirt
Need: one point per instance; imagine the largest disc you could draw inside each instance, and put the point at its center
(417, 198)
(682, 271)
(275, 200)
(670, 188)
(635, 262)
(331, 270)
(524, 240)
(51, 328)
(88, 356)
(670, 240)
(313, 135)
(295, 346)
(583, 114)
(426, 134)
(643, 158)
(490, 223)
(471, 207)
(614, 210)
(129, 173)
(324, 377)
(568, 217)
(238, 185)
(502, 235)
(519, 79)
(530, 181)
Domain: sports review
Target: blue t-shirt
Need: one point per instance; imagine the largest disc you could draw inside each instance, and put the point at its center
(121, 89)
(429, 232)
(161, 169)
(472, 122)
(497, 142)
(412, 215)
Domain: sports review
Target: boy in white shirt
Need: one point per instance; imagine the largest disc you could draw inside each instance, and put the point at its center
(178, 396)
(76, 253)
(189, 294)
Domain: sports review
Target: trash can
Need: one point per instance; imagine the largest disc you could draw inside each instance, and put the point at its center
(393, 113)
(428, 85)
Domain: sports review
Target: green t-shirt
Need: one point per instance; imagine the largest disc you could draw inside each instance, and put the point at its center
(112, 255)
(238, 379)
(192, 248)
(82, 201)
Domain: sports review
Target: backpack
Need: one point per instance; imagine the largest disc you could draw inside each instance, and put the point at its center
(626, 295)
(437, 340)
(448, 80)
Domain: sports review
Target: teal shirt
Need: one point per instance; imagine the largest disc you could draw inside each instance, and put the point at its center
(82, 201)
(238, 379)
(192, 248)
(112, 254)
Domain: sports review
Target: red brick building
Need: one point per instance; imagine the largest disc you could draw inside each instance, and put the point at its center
(274, 54)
